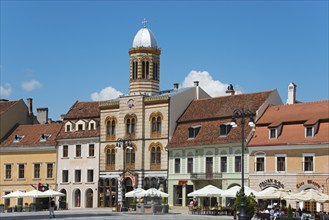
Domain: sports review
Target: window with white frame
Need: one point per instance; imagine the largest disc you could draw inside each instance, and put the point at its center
(177, 165)
(190, 165)
(65, 151)
(309, 131)
(308, 162)
(21, 171)
(78, 150)
(280, 163)
(260, 163)
(68, 127)
(193, 131)
(223, 164)
(92, 125)
(50, 170)
(91, 150)
(36, 169)
(237, 164)
(77, 176)
(65, 176)
(90, 176)
(8, 169)
(224, 129)
(273, 133)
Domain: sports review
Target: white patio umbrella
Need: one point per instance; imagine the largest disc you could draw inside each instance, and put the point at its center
(310, 195)
(207, 191)
(133, 193)
(52, 193)
(273, 193)
(152, 192)
(35, 194)
(15, 194)
(231, 192)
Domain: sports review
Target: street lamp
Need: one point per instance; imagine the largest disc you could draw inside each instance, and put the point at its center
(243, 114)
(123, 143)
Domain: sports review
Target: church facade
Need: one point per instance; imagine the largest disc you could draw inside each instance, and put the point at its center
(135, 128)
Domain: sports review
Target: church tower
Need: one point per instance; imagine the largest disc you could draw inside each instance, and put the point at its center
(144, 63)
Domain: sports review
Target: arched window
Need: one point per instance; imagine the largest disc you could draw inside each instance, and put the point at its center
(155, 151)
(156, 124)
(110, 158)
(110, 127)
(130, 158)
(135, 69)
(77, 198)
(130, 121)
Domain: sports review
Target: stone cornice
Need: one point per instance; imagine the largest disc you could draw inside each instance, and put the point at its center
(156, 99)
(155, 51)
(15, 149)
(109, 104)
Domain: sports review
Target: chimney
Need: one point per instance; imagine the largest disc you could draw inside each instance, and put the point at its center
(176, 85)
(291, 94)
(42, 115)
(196, 85)
(230, 89)
(29, 106)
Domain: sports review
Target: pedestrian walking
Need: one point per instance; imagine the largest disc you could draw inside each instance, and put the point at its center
(52, 208)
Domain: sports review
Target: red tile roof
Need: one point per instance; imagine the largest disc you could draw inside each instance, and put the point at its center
(293, 119)
(32, 135)
(210, 113)
(5, 105)
(81, 110)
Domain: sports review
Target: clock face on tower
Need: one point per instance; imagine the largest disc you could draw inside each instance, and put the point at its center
(130, 103)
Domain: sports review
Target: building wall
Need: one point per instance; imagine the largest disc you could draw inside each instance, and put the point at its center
(15, 156)
(83, 163)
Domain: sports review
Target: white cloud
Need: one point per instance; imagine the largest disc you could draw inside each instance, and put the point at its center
(31, 85)
(105, 94)
(207, 83)
(5, 91)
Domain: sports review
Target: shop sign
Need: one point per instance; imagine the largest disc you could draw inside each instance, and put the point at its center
(182, 182)
(309, 182)
(271, 182)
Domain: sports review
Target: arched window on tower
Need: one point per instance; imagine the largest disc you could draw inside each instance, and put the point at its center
(130, 121)
(145, 70)
(135, 69)
(128, 126)
(155, 71)
(110, 128)
(156, 124)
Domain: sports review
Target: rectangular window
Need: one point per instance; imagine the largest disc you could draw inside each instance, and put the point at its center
(260, 164)
(177, 165)
(90, 176)
(92, 126)
(8, 171)
(224, 129)
(50, 170)
(280, 163)
(193, 131)
(237, 164)
(65, 150)
(273, 133)
(223, 164)
(21, 171)
(189, 165)
(91, 150)
(308, 163)
(209, 167)
(68, 127)
(80, 127)
(309, 131)
(37, 167)
(65, 176)
(77, 178)
(78, 150)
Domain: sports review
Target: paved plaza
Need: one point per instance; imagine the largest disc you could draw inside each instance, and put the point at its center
(106, 213)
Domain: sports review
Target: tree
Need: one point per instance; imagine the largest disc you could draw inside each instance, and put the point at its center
(250, 202)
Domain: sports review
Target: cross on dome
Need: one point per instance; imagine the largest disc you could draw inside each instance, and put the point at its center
(144, 22)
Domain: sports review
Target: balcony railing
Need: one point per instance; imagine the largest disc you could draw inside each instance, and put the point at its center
(205, 176)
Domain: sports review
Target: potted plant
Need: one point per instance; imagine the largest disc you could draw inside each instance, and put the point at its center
(165, 206)
(133, 204)
(250, 202)
(290, 213)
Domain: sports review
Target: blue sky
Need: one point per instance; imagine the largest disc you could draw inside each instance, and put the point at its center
(57, 52)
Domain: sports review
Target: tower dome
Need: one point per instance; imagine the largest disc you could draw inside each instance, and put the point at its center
(145, 38)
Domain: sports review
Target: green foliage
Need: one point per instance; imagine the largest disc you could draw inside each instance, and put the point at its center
(250, 202)
(290, 212)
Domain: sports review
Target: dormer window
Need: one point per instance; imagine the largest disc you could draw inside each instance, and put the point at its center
(273, 133)
(309, 131)
(193, 131)
(18, 138)
(224, 129)
(80, 127)
(44, 137)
